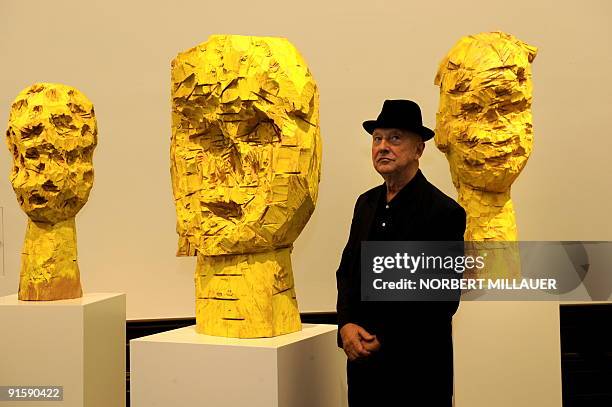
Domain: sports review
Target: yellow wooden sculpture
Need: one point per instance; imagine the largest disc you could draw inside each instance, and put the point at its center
(245, 165)
(484, 126)
(52, 134)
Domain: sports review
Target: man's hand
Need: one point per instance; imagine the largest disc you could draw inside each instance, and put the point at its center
(357, 342)
(371, 346)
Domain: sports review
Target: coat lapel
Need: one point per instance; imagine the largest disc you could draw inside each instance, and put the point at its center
(367, 217)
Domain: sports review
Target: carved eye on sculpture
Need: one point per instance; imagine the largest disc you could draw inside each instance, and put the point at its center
(263, 132)
(471, 108)
(219, 143)
(211, 139)
(32, 153)
(29, 132)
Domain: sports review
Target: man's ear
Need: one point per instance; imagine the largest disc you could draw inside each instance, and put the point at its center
(420, 148)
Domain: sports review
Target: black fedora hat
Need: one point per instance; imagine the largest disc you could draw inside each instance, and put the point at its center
(400, 114)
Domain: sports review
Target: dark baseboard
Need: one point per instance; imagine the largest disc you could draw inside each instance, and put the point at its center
(586, 355)
(139, 328)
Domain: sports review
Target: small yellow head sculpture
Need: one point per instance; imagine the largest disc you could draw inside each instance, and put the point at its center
(245, 165)
(52, 134)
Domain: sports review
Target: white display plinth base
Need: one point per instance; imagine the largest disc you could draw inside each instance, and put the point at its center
(78, 344)
(184, 368)
(507, 354)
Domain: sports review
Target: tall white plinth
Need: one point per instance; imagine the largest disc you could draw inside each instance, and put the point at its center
(184, 368)
(507, 354)
(78, 344)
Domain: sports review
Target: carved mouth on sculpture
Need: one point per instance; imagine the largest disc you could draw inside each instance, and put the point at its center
(37, 200)
(500, 153)
(225, 210)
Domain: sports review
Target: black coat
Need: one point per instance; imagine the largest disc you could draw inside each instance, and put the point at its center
(419, 331)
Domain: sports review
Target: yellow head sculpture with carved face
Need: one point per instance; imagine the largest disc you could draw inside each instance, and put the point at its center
(484, 126)
(246, 150)
(245, 165)
(52, 135)
(484, 122)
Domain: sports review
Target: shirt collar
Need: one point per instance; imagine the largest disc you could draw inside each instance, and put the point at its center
(406, 192)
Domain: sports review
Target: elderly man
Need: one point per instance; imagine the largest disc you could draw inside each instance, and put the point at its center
(399, 353)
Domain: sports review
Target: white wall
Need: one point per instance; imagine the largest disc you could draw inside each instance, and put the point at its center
(118, 53)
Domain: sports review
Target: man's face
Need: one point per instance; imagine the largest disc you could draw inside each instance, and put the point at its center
(395, 151)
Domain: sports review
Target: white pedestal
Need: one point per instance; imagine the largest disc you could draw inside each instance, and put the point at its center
(183, 368)
(507, 354)
(78, 344)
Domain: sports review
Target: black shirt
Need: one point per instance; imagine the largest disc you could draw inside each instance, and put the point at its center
(390, 216)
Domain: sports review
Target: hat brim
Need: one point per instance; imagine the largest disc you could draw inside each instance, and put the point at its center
(424, 132)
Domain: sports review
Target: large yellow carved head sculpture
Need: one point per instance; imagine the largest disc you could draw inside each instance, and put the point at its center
(246, 151)
(245, 165)
(484, 116)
